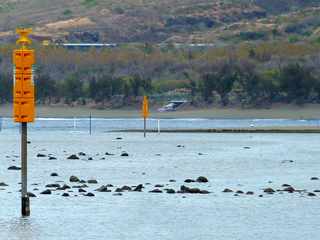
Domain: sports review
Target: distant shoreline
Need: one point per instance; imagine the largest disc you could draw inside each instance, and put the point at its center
(309, 111)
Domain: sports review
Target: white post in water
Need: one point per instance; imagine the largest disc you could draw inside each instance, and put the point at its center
(159, 126)
(74, 123)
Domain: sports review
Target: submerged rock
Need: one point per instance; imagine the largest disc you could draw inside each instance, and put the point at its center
(227, 190)
(156, 191)
(289, 189)
(117, 194)
(53, 185)
(250, 193)
(14, 168)
(108, 154)
(189, 180)
(48, 191)
(54, 175)
(64, 187)
(138, 188)
(32, 195)
(314, 178)
(103, 189)
(89, 194)
(52, 158)
(73, 157)
(124, 154)
(2, 184)
(92, 181)
(82, 154)
(39, 155)
(310, 194)
(126, 188)
(74, 179)
(80, 190)
(65, 195)
(269, 190)
(202, 179)
(170, 191)
(158, 185)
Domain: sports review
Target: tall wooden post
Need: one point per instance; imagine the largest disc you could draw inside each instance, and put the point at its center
(23, 105)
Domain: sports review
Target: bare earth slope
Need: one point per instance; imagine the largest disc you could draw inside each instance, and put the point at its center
(136, 20)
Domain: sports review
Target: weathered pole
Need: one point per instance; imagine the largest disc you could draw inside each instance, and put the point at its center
(90, 124)
(23, 106)
(25, 202)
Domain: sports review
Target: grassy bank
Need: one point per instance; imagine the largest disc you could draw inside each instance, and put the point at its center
(311, 111)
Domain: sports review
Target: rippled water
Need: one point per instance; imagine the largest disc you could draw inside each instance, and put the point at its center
(224, 160)
(104, 125)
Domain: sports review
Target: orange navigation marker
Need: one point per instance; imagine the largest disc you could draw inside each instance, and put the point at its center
(145, 113)
(23, 105)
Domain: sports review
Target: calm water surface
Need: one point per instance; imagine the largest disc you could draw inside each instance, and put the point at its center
(223, 159)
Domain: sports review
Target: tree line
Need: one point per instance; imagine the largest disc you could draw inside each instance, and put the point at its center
(248, 75)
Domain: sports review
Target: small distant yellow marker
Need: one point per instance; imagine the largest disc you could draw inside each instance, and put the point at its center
(145, 112)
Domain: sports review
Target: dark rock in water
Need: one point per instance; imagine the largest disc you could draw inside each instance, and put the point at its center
(81, 154)
(261, 195)
(172, 180)
(158, 186)
(28, 142)
(52, 158)
(310, 194)
(227, 190)
(287, 161)
(317, 191)
(184, 189)
(92, 181)
(119, 138)
(202, 179)
(36, 189)
(80, 190)
(65, 195)
(73, 157)
(30, 194)
(118, 190)
(2, 184)
(250, 193)
(138, 188)
(74, 179)
(53, 185)
(189, 180)
(103, 189)
(41, 155)
(247, 147)
(286, 185)
(269, 190)
(48, 191)
(80, 186)
(155, 191)
(158, 154)
(90, 158)
(171, 191)
(124, 154)
(14, 168)
(109, 154)
(180, 146)
(109, 185)
(54, 175)
(126, 188)
(204, 192)
(82, 181)
(117, 194)
(314, 178)
(64, 187)
(103, 158)
(289, 189)
(89, 194)
(239, 192)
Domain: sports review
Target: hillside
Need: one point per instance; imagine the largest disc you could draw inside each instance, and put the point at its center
(157, 21)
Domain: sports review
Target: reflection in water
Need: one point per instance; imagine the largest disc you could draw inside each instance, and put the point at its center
(19, 228)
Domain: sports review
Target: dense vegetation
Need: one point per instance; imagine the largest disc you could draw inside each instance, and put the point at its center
(249, 75)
